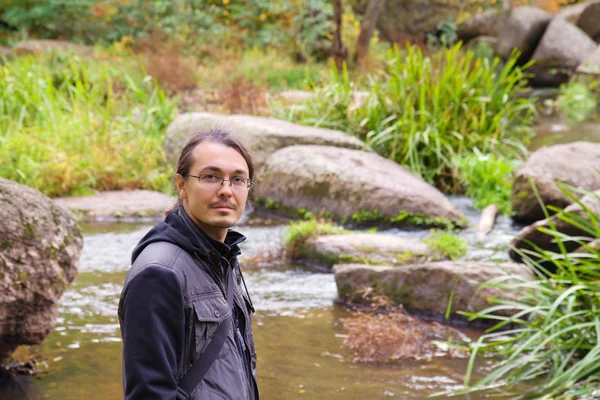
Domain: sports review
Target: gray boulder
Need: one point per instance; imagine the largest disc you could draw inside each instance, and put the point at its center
(118, 205)
(43, 46)
(363, 248)
(40, 246)
(532, 234)
(400, 20)
(589, 21)
(263, 136)
(575, 164)
(573, 12)
(562, 49)
(427, 288)
(520, 28)
(351, 186)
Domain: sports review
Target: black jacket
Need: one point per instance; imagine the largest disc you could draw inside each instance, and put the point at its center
(172, 303)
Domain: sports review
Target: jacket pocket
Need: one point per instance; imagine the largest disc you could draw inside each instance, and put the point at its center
(210, 312)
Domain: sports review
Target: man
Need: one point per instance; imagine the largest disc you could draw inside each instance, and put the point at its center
(175, 296)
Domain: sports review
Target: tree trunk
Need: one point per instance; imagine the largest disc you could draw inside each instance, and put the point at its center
(367, 27)
(338, 50)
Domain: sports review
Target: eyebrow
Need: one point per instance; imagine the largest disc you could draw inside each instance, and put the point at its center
(217, 169)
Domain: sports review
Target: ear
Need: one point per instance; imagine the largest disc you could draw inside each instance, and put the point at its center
(181, 192)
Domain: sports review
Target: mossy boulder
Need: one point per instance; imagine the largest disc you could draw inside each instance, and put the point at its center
(363, 248)
(591, 65)
(428, 288)
(401, 20)
(40, 245)
(263, 136)
(531, 235)
(519, 28)
(118, 205)
(575, 164)
(562, 49)
(351, 186)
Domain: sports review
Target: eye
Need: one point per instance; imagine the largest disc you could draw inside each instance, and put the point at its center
(210, 178)
(238, 180)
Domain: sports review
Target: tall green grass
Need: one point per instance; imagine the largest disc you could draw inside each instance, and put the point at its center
(71, 125)
(551, 341)
(424, 111)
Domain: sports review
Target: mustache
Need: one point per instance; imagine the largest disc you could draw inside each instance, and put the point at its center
(223, 204)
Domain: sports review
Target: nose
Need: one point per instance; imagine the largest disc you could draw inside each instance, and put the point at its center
(225, 190)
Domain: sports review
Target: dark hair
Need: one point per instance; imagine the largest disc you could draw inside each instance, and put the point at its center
(215, 135)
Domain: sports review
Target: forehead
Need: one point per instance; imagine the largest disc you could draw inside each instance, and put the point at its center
(217, 155)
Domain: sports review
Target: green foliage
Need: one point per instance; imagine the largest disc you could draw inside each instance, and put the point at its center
(70, 125)
(299, 232)
(551, 341)
(577, 101)
(487, 179)
(444, 35)
(301, 25)
(423, 112)
(446, 244)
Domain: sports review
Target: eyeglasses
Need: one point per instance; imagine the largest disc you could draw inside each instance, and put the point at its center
(213, 181)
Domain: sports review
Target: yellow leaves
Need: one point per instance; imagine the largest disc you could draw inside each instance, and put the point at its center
(226, 2)
(263, 16)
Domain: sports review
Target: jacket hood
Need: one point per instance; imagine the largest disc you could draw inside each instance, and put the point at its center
(179, 229)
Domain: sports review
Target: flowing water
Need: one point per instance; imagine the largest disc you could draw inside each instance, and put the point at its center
(297, 326)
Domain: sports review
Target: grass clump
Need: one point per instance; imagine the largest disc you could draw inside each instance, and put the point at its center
(299, 232)
(487, 179)
(71, 125)
(423, 111)
(577, 101)
(447, 244)
(551, 340)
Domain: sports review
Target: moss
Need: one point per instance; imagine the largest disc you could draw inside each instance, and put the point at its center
(404, 257)
(29, 231)
(447, 244)
(317, 189)
(5, 245)
(404, 218)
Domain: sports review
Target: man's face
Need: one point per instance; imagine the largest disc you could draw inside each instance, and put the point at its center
(214, 207)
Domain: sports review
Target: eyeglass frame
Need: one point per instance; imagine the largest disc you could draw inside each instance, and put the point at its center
(249, 182)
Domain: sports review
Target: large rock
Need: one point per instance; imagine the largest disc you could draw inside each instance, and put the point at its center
(520, 28)
(575, 164)
(532, 234)
(401, 20)
(40, 246)
(118, 205)
(364, 248)
(591, 65)
(573, 12)
(352, 186)
(263, 136)
(42, 46)
(589, 21)
(562, 49)
(427, 288)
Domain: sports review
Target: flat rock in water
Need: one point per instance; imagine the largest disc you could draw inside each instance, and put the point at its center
(532, 233)
(263, 136)
(427, 288)
(364, 248)
(575, 164)
(40, 246)
(126, 204)
(351, 186)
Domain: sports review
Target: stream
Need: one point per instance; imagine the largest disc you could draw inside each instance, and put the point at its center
(297, 326)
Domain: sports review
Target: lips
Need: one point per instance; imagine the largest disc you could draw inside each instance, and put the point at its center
(223, 207)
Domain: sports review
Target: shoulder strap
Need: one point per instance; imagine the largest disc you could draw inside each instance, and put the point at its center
(194, 375)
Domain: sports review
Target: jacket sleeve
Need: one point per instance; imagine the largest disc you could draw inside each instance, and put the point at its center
(153, 331)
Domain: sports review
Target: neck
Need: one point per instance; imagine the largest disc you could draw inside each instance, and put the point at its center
(214, 232)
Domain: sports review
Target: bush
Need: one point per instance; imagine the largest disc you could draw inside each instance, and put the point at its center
(551, 342)
(487, 179)
(423, 111)
(71, 125)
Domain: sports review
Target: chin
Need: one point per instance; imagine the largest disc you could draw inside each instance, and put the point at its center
(223, 223)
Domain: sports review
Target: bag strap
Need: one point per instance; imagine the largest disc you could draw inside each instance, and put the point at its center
(194, 375)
